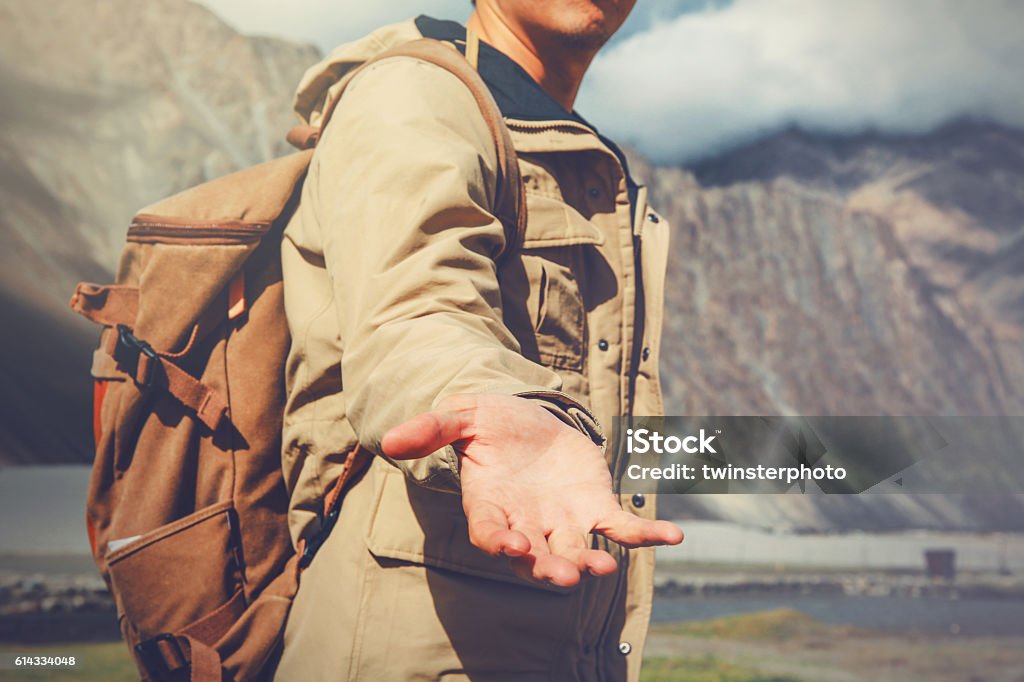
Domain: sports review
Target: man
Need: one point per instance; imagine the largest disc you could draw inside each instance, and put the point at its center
(490, 545)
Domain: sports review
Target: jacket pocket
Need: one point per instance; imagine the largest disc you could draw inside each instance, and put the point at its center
(171, 577)
(427, 527)
(552, 256)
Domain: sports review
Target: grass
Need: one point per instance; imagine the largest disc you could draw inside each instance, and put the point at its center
(774, 625)
(702, 669)
(107, 662)
(110, 662)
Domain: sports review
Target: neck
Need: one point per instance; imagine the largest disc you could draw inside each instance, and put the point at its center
(558, 68)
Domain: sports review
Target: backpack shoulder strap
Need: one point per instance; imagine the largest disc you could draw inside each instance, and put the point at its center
(510, 203)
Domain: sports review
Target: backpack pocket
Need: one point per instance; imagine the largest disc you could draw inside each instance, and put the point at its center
(171, 577)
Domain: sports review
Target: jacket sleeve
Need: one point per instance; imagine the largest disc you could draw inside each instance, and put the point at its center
(406, 180)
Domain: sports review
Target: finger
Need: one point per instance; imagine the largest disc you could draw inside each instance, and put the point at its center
(489, 530)
(424, 434)
(541, 565)
(632, 531)
(557, 570)
(524, 566)
(571, 543)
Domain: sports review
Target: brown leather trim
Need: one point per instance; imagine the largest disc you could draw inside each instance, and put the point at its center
(193, 241)
(109, 304)
(146, 220)
(355, 462)
(303, 137)
(152, 229)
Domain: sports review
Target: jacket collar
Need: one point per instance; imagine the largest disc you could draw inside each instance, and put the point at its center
(516, 93)
(520, 98)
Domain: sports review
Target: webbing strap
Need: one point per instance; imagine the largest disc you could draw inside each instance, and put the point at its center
(204, 660)
(212, 627)
(148, 368)
(117, 306)
(193, 646)
(472, 47)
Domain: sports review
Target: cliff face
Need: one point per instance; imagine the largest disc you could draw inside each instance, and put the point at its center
(860, 276)
(808, 274)
(107, 106)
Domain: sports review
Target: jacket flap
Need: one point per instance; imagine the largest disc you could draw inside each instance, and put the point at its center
(552, 222)
(428, 527)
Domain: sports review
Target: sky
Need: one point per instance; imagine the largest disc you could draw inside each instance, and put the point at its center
(686, 79)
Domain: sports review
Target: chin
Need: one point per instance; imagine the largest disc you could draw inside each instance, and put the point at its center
(586, 30)
(587, 23)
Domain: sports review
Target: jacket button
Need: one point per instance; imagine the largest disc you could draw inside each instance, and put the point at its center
(646, 354)
(653, 218)
(639, 501)
(594, 192)
(625, 648)
(602, 344)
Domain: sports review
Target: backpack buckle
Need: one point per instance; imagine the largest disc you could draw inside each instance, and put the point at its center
(161, 655)
(128, 351)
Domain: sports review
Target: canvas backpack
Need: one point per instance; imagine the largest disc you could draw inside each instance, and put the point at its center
(187, 506)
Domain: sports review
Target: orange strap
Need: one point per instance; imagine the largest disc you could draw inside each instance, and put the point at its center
(99, 392)
(236, 296)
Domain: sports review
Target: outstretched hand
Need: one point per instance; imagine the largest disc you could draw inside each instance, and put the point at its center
(532, 486)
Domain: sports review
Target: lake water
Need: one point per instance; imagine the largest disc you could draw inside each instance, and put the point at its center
(43, 512)
(729, 543)
(967, 617)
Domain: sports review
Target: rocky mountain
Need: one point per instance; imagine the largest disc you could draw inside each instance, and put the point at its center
(108, 105)
(859, 276)
(867, 275)
(809, 274)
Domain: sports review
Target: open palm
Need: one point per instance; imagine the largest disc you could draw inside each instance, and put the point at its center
(532, 486)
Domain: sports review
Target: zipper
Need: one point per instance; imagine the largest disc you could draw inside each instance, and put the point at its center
(540, 126)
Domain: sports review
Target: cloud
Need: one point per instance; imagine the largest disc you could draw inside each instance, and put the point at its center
(328, 23)
(688, 78)
(701, 82)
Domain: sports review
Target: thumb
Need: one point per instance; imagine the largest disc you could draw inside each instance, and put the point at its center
(425, 433)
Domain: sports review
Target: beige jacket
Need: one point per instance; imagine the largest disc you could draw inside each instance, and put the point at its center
(395, 299)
